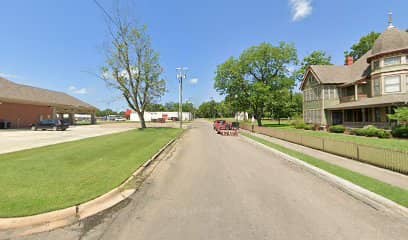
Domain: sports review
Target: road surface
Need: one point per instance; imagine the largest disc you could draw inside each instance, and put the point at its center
(215, 187)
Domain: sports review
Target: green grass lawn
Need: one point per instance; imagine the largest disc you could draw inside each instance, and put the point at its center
(399, 144)
(63, 175)
(393, 193)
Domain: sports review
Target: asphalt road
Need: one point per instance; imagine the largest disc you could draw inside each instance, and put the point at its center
(215, 187)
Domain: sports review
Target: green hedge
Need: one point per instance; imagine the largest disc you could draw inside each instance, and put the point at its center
(400, 132)
(337, 129)
(372, 131)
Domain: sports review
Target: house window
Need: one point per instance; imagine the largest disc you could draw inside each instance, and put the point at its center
(376, 65)
(392, 61)
(392, 84)
(377, 88)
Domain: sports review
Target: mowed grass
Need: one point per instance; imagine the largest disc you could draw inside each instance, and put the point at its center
(393, 193)
(63, 175)
(398, 144)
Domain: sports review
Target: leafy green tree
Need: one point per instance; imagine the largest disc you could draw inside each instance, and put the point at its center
(250, 81)
(363, 46)
(401, 115)
(207, 109)
(106, 112)
(132, 66)
(315, 58)
(155, 107)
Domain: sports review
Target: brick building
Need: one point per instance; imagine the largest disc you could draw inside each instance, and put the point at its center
(23, 105)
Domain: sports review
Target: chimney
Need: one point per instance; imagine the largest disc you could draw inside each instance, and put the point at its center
(349, 61)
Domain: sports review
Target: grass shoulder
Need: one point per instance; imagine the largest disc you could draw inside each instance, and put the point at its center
(58, 176)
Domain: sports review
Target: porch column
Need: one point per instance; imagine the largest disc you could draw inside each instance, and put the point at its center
(355, 92)
(343, 116)
(363, 115)
(72, 119)
(93, 118)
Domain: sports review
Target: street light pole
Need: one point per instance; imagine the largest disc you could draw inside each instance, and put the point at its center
(181, 74)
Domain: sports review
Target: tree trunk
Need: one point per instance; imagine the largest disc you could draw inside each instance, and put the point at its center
(142, 120)
(259, 120)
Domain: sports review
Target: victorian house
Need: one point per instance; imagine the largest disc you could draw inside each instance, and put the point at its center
(363, 92)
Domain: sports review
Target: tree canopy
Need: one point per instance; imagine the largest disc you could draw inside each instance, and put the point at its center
(257, 77)
(363, 46)
(132, 66)
(315, 58)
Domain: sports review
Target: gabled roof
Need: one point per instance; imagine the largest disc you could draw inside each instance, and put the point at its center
(10, 91)
(391, 41)
(331, 74)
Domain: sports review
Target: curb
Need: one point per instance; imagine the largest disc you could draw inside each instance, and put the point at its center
(23, 226)
(374, 200)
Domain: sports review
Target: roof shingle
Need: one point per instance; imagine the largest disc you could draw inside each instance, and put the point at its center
(10, 91)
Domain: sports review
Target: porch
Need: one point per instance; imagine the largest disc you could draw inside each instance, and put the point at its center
(360, 117)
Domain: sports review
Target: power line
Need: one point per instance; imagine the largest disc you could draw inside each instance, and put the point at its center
(105, 12)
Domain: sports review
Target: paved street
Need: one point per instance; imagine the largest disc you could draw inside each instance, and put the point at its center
(215, 187)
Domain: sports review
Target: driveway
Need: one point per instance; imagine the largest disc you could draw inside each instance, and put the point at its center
(215, 187)
(13, 140)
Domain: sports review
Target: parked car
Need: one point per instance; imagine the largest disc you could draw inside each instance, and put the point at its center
(4, 124)
(50, 124)
(120, 119)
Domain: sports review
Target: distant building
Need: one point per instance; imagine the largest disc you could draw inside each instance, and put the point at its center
(241, 116)
(22, 105)
(167, 116)
(362, 92)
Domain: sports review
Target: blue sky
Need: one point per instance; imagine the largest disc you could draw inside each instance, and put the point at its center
(59, 44)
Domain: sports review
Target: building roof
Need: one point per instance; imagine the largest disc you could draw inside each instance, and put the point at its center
(331, 74)
(373, 101)
(13, 92)
(391, 40)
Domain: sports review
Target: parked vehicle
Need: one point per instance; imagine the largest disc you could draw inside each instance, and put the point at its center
(50, 124)
(120, 119)
(226, 129)
(4, 124)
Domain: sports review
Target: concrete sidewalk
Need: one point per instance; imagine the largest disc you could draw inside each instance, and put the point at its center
(384, 175)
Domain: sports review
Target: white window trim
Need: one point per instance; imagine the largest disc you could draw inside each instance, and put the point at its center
(393, 57)
(384, 84)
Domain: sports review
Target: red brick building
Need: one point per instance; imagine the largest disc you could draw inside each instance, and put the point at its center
(23, 105)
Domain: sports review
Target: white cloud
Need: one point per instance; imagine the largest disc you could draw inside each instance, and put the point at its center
(300, 9)
(10, 76)
(75, 90)
(194, 81)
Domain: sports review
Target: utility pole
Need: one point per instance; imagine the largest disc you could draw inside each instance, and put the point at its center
(181, 74)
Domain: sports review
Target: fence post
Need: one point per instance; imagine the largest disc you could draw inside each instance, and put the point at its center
(323, 145)
(358, 152)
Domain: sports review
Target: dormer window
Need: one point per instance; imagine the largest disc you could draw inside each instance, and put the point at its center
(392, 61)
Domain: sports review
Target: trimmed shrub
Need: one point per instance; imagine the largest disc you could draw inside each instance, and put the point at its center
(300, 125)
(337, 129)
(383, 134)
(308, 127)
(400, 132)
(372, 131)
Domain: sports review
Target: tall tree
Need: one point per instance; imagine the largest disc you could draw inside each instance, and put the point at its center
(363, 46)
(250, 81)
(132, 66)
(315, 58)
